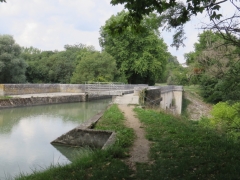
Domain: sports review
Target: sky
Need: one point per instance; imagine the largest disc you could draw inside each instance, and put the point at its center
(51, 24)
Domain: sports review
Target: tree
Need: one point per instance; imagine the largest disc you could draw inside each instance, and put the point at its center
(53, 66)
(175, 73)
(95, 66)
(142, 57)
(12, 66)
(216, 66)
(175, 14)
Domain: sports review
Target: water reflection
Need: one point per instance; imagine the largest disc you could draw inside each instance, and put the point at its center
(26, 133)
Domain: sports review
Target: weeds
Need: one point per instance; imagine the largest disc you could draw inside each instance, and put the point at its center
(5, 97)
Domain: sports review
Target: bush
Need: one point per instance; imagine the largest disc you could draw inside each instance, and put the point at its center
(228, 117)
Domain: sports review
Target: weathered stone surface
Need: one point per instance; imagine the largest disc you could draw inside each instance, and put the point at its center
(167, 97)
(83, 135)
(20, 102)
(17, 89)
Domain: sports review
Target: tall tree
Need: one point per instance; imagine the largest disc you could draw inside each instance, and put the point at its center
(12, 66)
(142, 57)
(176, 14)
(215, 65)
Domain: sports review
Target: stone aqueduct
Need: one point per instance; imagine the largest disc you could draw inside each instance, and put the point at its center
(167, 97)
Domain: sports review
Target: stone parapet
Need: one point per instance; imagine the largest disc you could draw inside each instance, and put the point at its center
(19, 89)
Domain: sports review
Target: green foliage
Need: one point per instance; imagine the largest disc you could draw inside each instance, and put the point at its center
(12, 66)
(225, 118)
(94, 67)
(215, 67)
(53, 67)
(228, 115)
(140, 57)
(174, 73)
(174, 14)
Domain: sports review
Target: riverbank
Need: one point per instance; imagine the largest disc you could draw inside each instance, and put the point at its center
(180, 149)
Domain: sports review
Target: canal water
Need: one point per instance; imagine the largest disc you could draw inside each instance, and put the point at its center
(26, 133)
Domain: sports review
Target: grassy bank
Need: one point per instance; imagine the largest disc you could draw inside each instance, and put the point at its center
(98, 164)
(183, 149)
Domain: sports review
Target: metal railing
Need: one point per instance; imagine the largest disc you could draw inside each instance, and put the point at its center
(110, 88)
(104, 87)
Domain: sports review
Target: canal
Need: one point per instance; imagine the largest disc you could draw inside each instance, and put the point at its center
(26, 133)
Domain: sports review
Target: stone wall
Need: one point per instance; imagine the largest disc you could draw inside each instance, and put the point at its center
(167, 97)
(153, 97)
(20, 102)
(72, 88)
(18, 89)
(172, 99)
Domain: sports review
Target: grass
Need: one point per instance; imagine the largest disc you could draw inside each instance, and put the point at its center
(5, 97)
(193, 88)
(183, 149)
(97, 164)
(185, 103)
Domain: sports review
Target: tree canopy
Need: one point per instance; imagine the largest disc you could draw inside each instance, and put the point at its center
(215, 66)
(53, 66)
(175, 14)
(95, 66)
(142, 57)
(12, 66)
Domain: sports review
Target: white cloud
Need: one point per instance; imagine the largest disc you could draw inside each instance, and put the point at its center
(49, 25)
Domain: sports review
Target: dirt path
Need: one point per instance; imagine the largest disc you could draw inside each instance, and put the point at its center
(141, 146)
(197, 108)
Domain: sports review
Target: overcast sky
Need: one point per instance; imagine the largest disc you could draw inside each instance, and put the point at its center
(51, 24)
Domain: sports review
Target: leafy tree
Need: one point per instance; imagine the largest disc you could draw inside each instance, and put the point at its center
(140, 57)
(95, 66)
(175, 14)
(12, 66)
(175, 73)
(214, 65)
(53, 66)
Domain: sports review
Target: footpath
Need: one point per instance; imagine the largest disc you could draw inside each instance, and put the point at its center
(140, 150)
